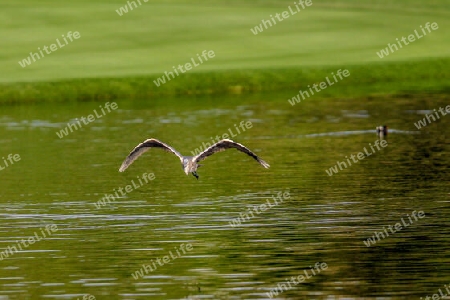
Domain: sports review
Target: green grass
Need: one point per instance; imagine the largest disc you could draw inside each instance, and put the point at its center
(430, 76)
(119, 56)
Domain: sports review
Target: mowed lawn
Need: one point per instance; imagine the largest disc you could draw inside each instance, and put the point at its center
(158, 34)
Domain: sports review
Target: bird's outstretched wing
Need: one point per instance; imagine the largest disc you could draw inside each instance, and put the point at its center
(145, 146)
(227, 144)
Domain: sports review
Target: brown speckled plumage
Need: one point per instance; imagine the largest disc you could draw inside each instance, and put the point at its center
(189, 163)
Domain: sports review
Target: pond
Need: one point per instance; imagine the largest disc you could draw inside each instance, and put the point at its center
(323, 222)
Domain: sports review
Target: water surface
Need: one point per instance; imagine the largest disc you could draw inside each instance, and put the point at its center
(326, 219)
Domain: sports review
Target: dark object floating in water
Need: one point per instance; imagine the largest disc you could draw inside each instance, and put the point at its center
(188, 163)
(382, 131)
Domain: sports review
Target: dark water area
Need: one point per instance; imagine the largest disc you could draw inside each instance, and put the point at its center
(377, 228)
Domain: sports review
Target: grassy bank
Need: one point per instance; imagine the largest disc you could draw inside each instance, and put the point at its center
(372, 79)
(120, 55)
(159, 34)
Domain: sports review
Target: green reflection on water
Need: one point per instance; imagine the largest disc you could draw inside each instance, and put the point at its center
(95, 251)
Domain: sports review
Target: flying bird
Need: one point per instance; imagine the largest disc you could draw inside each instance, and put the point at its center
(188, 163)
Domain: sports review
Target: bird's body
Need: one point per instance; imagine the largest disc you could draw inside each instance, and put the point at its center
(190, 166)
(188, 163)
(382, 131)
